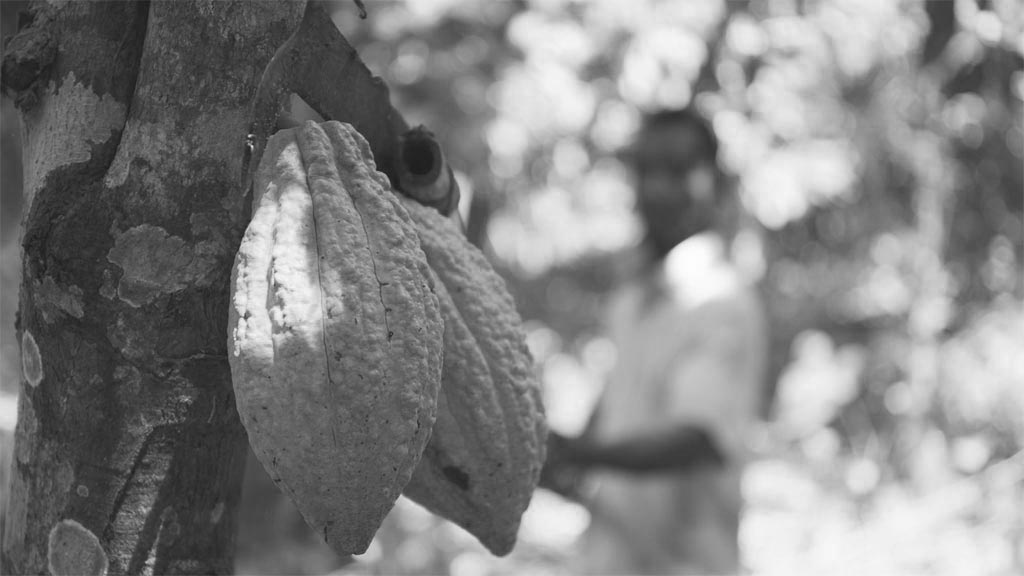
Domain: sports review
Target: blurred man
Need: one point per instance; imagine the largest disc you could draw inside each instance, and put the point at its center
(665, 447)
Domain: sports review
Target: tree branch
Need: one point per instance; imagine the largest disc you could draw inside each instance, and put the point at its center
(319, 65)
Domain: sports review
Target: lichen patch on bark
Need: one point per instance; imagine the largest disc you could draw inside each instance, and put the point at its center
(31, 361)
(62, 128)
(73, 549)
(217, 513)
(108, 290)
(211, 137)
(53, 300)
(26, 428)
(156, 263)
(150, 141)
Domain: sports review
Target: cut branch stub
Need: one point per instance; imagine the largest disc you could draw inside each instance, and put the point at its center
(423, 172)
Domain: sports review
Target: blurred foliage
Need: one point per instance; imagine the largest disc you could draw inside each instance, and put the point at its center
(877, 147)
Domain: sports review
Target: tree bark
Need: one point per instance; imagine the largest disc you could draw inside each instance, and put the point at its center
(129, 453)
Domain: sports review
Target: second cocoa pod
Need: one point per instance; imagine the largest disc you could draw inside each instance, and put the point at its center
(484, 458)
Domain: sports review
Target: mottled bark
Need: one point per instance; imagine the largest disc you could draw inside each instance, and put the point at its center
(129, 453)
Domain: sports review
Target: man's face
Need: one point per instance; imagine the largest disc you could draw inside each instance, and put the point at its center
(676, 184)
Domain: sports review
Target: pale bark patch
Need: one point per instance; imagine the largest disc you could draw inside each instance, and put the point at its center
(156, 263)
(53, 300)
(31, 361)
(224, 133)
(108, 290)
(149, 141)
(74, 549)
(217, 513)
(164, 145)
(62, 128)
(27, 427)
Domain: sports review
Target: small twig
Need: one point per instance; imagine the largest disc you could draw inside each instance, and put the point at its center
(362, 8)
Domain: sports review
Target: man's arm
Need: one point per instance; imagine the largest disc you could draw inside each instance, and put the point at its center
(685, 446)
(721, 376)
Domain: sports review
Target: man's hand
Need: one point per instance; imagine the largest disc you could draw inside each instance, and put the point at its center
(685, 447)
(562, 472)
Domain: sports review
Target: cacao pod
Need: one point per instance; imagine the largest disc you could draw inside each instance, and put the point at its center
(336, 335)
(486, 451)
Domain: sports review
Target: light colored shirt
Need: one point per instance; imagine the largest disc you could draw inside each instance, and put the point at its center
(691, 348)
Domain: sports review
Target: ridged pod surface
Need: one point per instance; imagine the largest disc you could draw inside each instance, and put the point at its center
(335, 332)
(484, 457)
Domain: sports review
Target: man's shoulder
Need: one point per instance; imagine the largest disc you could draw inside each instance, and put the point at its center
(699, 273)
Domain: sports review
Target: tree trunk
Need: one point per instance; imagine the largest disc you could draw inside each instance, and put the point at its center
(129, 453)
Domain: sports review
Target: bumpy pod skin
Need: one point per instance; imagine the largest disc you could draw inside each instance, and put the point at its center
(335, 332)
(484, 458)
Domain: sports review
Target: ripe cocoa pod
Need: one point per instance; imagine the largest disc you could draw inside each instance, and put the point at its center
(335, 333)
(484, 457)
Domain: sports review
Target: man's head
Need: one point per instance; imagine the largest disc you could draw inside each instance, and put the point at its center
(677, 177)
